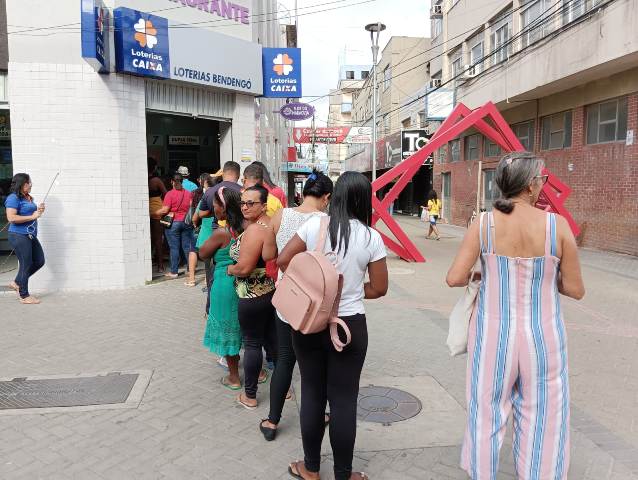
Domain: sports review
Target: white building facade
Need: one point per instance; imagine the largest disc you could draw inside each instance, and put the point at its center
(97, 129)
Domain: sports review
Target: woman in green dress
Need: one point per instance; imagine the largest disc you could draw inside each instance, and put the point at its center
(223, 335)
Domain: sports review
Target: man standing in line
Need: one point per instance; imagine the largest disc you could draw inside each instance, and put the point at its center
(186, 183)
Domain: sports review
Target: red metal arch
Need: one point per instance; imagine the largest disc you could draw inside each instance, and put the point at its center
(487, 120)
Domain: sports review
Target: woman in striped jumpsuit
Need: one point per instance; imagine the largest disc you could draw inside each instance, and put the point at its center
(517, 349)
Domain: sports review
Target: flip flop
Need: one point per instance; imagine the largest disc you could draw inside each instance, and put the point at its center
(29, 301)
(190, 283)
(265, 379)
(292, 473)
(14, 286)
(228, 385)
(246, 406)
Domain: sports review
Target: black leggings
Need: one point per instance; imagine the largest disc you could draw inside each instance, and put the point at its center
(257, 322)
(282, 376)
(333, 376)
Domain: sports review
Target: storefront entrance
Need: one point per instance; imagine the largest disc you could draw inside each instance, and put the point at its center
(176, 140)
(6, 173)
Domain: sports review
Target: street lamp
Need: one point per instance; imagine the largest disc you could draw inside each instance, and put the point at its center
(374, 28)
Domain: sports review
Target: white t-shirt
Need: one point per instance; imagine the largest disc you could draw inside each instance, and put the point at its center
(365, 246)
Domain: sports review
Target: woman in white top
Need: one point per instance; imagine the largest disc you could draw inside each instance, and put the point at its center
(328, 375)
(285, 223)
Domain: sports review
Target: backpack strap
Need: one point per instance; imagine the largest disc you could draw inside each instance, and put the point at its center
(336, 322)
(323, 233)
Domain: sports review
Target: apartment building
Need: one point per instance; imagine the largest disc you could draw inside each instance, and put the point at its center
(565, 76)
(351, 80)
(401, 71)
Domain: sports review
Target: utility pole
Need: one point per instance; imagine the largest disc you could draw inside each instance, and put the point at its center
(374, 39)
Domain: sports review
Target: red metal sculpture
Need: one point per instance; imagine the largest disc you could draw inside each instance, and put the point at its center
(487, 120)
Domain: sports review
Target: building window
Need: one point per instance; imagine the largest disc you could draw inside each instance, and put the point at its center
(442, 154)
(556, 131)
(346, 108)
(437, 27)
(386, 123)
(446, 194)
(349, 74)
(572, 9)
(472, 145)
(607, 121)
(533, 27)
(476, 54)
(421, 119)
(525, 133)
(455, 150)
(387, 77)
(364, 74)
(456, 63)
(490, 190)
(498, 42)
(492, 149)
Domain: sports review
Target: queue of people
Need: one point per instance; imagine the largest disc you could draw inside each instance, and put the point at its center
(515, 335)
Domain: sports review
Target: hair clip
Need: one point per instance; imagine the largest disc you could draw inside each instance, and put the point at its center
(312, 176)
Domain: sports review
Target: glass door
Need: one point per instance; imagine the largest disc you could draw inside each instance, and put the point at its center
(447, 197)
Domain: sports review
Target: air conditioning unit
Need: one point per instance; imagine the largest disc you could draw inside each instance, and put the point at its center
(436, 11)
(469, 71)
(435, 83)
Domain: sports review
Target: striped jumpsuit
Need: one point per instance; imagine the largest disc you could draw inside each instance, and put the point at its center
(517, 361)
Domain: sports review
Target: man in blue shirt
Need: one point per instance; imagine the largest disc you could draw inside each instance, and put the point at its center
(186, 183)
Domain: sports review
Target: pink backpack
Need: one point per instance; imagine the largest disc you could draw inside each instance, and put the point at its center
(308, 294)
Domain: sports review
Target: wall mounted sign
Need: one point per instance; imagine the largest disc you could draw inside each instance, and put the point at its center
(153, 46)
(282, 72)
(141, 43)
(297, 111)
(183, 140)
(94, 21)
(333, 135)
(412, 141)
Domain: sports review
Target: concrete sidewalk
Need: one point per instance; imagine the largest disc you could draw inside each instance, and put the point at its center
(188, 426)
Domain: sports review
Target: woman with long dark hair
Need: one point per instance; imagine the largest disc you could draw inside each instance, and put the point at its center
(251, 250)
(517, 346)
(23, 214)
(328, 375)
(285, 223)
(223, 335)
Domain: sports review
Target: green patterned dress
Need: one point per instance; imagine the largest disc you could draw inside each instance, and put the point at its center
(223, 335)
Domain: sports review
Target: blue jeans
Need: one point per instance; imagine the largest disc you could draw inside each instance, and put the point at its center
(180, 240)
(30, 258)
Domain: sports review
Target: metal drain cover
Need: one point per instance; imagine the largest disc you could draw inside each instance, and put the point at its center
(386, 405)
(22, 393)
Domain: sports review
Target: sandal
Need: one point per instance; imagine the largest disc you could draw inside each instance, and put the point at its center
(29, 301)
(190, 283)
(245, 405)
(362, 476)
(289, 395)
(225, 383)
(293, 470)
(14, 286)
(263, 378)
(171, 276)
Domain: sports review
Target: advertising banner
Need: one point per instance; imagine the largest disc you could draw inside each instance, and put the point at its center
(297, 111)
(334, 135)
(282, 72)
(439, 104)
(94, 20)
(152, 46)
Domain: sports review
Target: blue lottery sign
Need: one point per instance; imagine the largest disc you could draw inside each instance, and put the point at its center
(94, 20)
(141, 43)
(282, 72)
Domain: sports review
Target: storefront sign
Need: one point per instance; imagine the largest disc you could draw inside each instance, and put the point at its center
(183, 140)
(334, 135)
(152, 46)
(412, 141)
(305, 167)
(141, 43)
(439, 103)
(94, 21)
(297, 111)
(282, 72)
(219, 8)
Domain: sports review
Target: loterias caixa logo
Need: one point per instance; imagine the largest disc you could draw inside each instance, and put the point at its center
(141, 43)
(282, 72)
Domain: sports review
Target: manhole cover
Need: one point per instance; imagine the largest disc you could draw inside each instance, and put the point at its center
(22, 393)
(386, 405)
